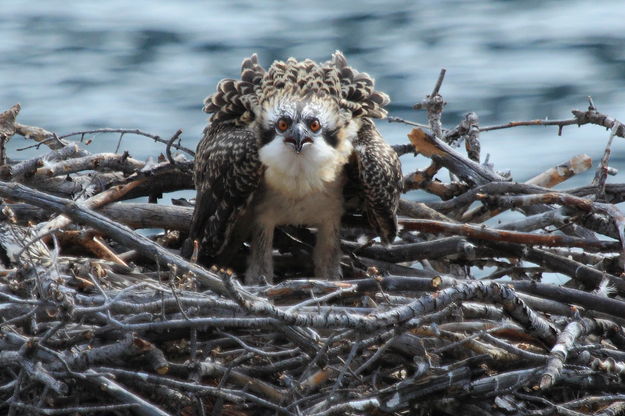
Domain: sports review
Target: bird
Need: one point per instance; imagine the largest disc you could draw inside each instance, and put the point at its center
(282, 147)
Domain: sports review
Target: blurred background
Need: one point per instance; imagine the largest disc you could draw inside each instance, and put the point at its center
(148, 64)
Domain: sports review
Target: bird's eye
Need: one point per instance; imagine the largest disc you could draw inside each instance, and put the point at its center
(282, 124)
(314, 125)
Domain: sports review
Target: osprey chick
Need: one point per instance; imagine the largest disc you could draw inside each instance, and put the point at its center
(282, 146)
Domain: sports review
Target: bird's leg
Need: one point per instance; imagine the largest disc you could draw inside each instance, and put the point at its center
(261, 259)
(327, 252)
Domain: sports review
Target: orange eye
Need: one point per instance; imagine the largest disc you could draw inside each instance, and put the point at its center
(282, 124)
(315, 126)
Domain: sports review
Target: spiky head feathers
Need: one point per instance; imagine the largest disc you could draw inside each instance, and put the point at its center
(331, 87)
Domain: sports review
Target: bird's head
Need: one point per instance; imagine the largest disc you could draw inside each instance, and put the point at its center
(305, 141)
(306, 115)
(303, 122)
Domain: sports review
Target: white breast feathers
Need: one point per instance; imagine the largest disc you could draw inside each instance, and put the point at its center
(299, 174)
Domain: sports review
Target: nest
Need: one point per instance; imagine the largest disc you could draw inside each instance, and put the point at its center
(452, 318)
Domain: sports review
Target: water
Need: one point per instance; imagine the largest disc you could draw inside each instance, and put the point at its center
(148, 64)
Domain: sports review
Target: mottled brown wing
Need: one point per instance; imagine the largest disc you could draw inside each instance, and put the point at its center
(380, 177)
(227, 173)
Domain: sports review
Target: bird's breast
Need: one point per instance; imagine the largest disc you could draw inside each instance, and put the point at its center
(313, 208)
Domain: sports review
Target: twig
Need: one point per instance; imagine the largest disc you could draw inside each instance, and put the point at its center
(559, 123)
(442, 153)
(439, 82)
(483, 233)
(602, 171)
(168, 151)
(434, 104)
(114, 230)
(138, 132)
(392, 119)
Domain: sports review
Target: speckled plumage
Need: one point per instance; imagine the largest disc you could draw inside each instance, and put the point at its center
(239, 100)
(227, 172)
(248, 180)
(379, 174)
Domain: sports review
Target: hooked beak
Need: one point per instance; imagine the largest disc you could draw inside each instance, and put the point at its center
(297, 139)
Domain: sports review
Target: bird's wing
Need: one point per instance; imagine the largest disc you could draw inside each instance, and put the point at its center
(227, 173)
(380, 178)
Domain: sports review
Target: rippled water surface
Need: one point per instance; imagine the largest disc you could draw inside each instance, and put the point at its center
(76, 65)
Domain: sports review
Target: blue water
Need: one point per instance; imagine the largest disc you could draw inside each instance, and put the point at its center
(77, 65)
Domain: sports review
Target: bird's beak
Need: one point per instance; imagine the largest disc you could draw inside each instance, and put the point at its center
(297, 138)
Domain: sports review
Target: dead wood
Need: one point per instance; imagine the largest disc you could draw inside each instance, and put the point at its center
(520, 316)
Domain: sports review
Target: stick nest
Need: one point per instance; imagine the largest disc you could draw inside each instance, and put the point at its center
(453, 318)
